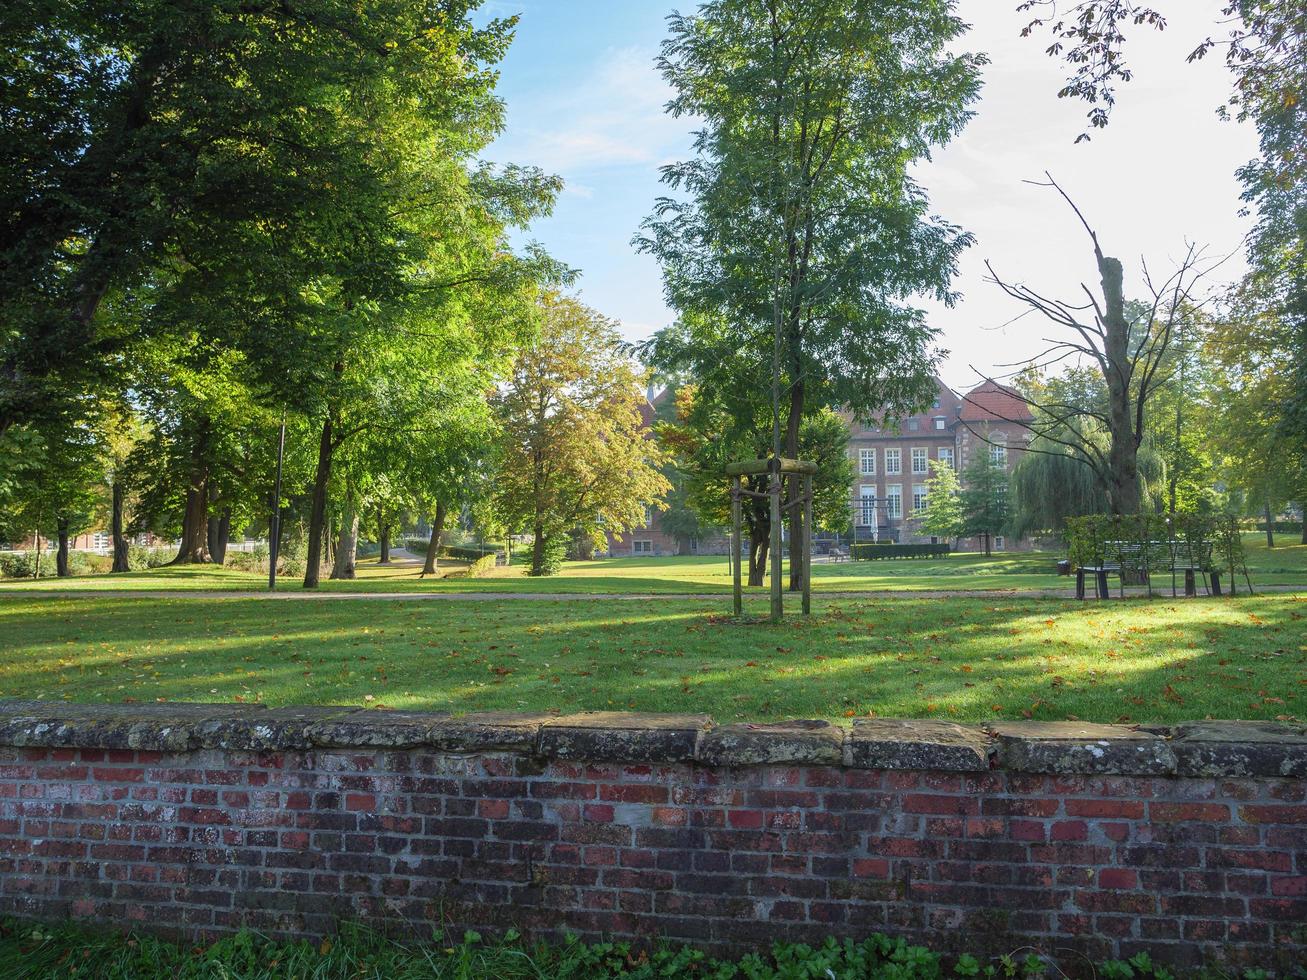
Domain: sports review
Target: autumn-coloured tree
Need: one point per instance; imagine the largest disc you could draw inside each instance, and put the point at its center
(575, 454)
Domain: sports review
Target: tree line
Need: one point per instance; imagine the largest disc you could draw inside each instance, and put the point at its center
(221, 218)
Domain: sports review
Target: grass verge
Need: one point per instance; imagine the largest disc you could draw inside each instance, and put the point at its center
(963, 658)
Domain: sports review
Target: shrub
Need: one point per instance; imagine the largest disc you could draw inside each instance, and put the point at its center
(18, 564)
(555, 554)
(21, 564)
(872, 551)
(255, 560)
(139, 558)
(483, 565)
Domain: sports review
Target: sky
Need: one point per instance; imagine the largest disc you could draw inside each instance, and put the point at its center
(584, 100)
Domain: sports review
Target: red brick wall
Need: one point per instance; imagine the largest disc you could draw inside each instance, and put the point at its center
(209, 839)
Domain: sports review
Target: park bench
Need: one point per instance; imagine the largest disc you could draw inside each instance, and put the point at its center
(1134, 562)
(838, 554)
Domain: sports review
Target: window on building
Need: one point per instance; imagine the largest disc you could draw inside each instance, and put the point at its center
(940, 422)
(648, 516)
(913, 425)
(935, 404)
(998, 455)
(998, 542)
(867, 462)
(894, 501)
(642, 547)
(893, 461)
(100, 541)
(866, 515)
(946, 455)
(918, 497)
(919, 460)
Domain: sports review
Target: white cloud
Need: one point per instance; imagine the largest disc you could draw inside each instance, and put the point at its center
(613, 116)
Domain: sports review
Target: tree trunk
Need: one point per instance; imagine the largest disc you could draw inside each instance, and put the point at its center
(1123, 485)
(61, 557)
(538, 550)
(433, 545)
(383, 540)
(36, 567)
(318, 509)
(120, 545)
(759, 545)
(1304, 526)
(1270, 528)
(194, 548)
(347, 543)
(219, 531)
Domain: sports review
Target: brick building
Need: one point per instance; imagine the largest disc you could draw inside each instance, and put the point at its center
(649, 539)
(891, 463)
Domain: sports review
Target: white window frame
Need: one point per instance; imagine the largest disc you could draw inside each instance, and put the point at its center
(914, 425)
(920, 497)
(920, 454)
(941, 423)
(865, 457)
(946, 454)
(893, 462)
(894, 501)
(641, 546)
(866, 506)
(999, 543)
(998, 454)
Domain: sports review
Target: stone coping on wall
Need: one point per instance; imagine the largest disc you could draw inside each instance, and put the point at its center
(1196, 749)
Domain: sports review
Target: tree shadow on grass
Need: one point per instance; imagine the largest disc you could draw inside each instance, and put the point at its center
(962, 659)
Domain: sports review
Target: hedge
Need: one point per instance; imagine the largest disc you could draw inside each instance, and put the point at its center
(1281, 527)
(418, 546)
(874, 552)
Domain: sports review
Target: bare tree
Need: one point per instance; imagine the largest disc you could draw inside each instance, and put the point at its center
(1127, 343)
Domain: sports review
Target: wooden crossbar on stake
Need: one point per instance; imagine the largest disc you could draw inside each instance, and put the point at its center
(801, 510)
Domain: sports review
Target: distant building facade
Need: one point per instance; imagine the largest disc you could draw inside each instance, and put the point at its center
(891, 466)
(892, 463)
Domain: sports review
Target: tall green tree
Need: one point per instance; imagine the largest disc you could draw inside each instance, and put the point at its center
(61, 494)
(943, 516)
(574, 451)
(984, 498)
(203, 142)
(771, 230)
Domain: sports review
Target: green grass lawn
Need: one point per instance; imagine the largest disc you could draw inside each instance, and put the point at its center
(1021, 571)
(965, 658)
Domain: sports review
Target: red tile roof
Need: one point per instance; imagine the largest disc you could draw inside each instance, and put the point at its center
(993, 402)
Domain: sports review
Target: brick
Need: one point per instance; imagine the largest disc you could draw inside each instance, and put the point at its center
(289, 839)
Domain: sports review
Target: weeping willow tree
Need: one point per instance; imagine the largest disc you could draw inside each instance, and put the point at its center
(1053, 480)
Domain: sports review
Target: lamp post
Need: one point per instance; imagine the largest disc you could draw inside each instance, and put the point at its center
(274, 523)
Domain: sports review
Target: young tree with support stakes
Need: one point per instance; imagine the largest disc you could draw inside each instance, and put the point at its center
(806, 104)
